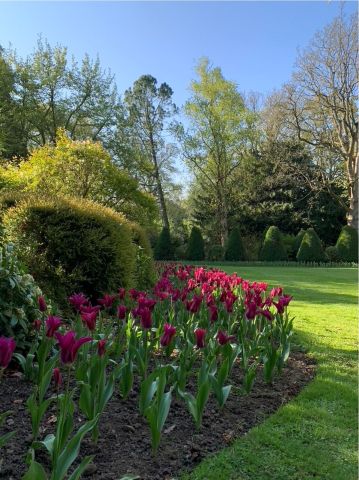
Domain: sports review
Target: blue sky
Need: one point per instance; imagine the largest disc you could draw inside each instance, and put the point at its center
(255, 43)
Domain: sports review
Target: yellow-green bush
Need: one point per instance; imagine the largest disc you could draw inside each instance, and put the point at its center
(76, 245)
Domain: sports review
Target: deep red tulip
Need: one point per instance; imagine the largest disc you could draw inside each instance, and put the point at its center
(134, 294)
(37, 324)
(90, 308)
(251, 311)
(275, 292)
(194, 304)
(121, 312)
(7, 347)
(213, 313)
(200, 334)
(52, 324)
(121, 293)
(89, 319)
(57, 377)
(145, 318)
(169, 332)
(223, 338)
(69, 346)
(77, 300)
(101, 347)
(42, 304)
(107, 300)
(282, 303)
(266, 313)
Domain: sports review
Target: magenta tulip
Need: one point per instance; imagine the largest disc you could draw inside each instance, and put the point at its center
(169, 332)
(121, 312)
(42, 304)
(89, 319)
(7, 347)
(200, 334)
(77, 300)
(101, 347)
(57, 377)
(69, 346)
(52, 324)
(223, 338)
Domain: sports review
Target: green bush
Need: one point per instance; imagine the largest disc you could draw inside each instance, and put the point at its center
(332, 254)
(234, 248)
(145, 269)
(273, 248)
(195, 248)
(74, 245)
(164, 249)
(215, 253)
(298, 241)
(252, 246)
(289, 242)
(18, 299)
(347, 244)
(311, 249)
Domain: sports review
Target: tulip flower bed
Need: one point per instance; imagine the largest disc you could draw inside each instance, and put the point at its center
(122, 374)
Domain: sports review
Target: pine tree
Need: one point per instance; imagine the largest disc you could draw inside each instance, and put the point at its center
(234, 247)
(273, 248)
(195, 249)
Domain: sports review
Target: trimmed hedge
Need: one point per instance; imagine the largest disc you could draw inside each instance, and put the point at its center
(234, 248)
(298, 241)
(75, 245)
(332, 254)
(164, 248)
(347, 244)
(273, 247)
(195, 248)
(311, 249)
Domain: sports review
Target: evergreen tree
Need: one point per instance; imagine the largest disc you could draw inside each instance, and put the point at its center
(347, 244)
(195, 250)
(273, 248)
(311, 249)
(234, 248)
(164, 247)
(298, 240)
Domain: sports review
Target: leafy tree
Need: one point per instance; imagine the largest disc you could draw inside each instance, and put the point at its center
(164, 246)
(195, 249)
(234, 247)
(311, 249)
(81, 169)
(273, 248)
(347, 244)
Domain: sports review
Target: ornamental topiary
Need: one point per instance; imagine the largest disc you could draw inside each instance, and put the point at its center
(347, 244)
(74, 245)
(234, 248)
(332, 254)
(195, 248)
(311, 249)
(273, 248)
(164, 249)
(298, 240)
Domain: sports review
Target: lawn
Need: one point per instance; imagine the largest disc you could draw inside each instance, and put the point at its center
(314, 436)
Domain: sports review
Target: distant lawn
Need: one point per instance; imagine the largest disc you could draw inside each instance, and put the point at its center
(315, 435)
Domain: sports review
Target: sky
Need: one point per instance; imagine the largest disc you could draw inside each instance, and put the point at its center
(255, 43)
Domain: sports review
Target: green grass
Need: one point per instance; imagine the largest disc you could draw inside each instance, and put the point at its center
(315, 435)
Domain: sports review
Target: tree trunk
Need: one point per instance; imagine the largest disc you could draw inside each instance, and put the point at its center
(352, 217)
(161, 197)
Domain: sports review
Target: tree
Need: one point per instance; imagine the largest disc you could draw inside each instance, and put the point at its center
(81, 169)
(234, 248)
(347, 244)
(195, 249)
(311, 249)
(144, 123)
(321, 105)
(273, 248)
(218, 137)
(164, 247)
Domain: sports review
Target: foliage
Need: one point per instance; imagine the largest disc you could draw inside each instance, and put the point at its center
(234, 248)
(215, 253)
(332, 254)
(164, 247)
(18, 299)
(298, 240)
(311, 249)
(273, 248)
(73, 245)
(195, 248)
(289, 242)
(347, 244)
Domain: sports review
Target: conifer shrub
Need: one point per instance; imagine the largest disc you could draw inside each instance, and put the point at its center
(311, 249)
(332, 254)
(164, 248)
(234, 248)
(298, 241)
(273, 248)
(347, 244)
(215, 253)
(195, 248)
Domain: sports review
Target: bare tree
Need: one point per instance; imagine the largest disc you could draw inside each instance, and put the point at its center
(321, 103)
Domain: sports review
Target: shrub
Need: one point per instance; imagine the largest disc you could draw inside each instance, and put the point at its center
(332, 254)
(164, 247)
(288, 242)
(215, 253)
(273, 247)
(298, 241)
(18, 299)
(311, 249)
(74, 245)
(145, 268)
(234, 247)
(347, 244)
(252, 245)
(181, 252)
(195, 249)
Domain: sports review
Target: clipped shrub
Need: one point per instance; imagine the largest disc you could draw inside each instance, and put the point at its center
(298, 241)
(215, 253)
(288, 242)
(164, 249)
(311, 249)
(347, 244)
(273, 247)
(18, 299)
(332, 254)
(74, 245)
(144, 268)
(195, 248)
(234, 248)
(252, 246)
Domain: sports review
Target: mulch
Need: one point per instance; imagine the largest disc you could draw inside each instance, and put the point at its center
(124, 444)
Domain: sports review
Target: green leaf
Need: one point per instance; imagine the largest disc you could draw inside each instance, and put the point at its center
(6, 437)
(35, 472)
(76, 474)
(86, 402)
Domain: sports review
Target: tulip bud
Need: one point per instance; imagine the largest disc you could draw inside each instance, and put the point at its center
(101, 347)
(42, 304)
(57, 377)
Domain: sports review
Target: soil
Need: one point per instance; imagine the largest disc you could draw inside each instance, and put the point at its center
(124, 446)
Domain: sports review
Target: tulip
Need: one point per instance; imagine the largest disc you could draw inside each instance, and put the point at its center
(7, 347)
(194, 305)
(282, 303)
(121, 312)
(213, 313)
(57, 377)
(89, 319)
(200, 334)
(69, 346)
(169, 332)
(37, 324)
(121, 293)
(52, 324)
(223, 338)
(266, 313)
(107, 300)
(251, 311)
(134, 294)
(275, 292)
(77, 300)
(145, 318)
(101, 347)
(42, 304)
